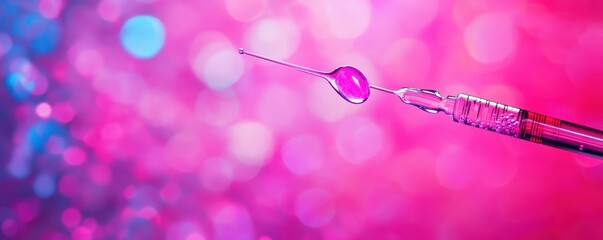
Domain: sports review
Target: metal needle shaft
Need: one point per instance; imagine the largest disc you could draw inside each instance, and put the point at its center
(382, 89)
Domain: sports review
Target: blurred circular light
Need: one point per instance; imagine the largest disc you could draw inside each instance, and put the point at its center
(585, 60)
(275, 38)
(186, 229)
(216, 174)
(74, 156)
(415, 14)
(112, 131)
(20, 87)
(217, 108)
(81, 233)
(19, 166)
(55, 145)
(24, 79)
(69, 185)
(143, 36)
(250, 142)
(411, 53)
(88, 62)
(27, 210)
(326, 104)
(348, 18)
(279, 107)
(152, 101)
(183, 152)
(71, 217)
(303, 154)
(182, 20)
(246, 10)
(44, 185)
(315, 207)
(232, 222)
(147, 212)
(243, 171)
(223, 69)
(43, 110)
(50, 8)
(195, 236)
(63, 112)
(90, 223)
(123, 87)
(100, 174)
(109, 10)
(491, 38)
(9, 227)
(359, 139)
(215, 61)
(170, 192)
(42, 34)
(6, 43)
(511, 95)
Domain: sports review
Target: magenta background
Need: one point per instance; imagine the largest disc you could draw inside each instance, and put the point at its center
(199, 142)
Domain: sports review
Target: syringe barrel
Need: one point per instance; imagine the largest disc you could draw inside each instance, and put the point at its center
(534, 127)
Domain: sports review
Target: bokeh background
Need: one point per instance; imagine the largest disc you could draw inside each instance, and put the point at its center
(139, 120)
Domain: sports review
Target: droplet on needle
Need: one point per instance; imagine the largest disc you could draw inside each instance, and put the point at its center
(348, 81)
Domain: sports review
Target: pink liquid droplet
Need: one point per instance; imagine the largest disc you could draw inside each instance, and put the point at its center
(348, 81)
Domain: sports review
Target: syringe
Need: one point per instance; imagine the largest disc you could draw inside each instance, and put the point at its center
(351, 84)
(507, 120)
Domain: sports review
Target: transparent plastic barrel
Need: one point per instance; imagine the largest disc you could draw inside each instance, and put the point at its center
(523, 124)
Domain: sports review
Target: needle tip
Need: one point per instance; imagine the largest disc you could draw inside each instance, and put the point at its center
(241, 50)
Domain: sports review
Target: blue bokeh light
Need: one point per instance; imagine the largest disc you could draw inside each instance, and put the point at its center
(42, 34)
(44, 185)
(48, 39)
(19, 164)
(40, 132)
(19, 86)
(143, 36)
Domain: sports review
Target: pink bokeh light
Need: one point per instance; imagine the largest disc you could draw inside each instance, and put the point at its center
(164, 131)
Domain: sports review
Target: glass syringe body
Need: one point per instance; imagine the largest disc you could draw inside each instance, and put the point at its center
(527, 125)
(507, 120)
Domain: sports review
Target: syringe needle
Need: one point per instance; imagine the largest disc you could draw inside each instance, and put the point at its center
(382, 89)
(427, 100)
(348, 81)
(291, 65)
